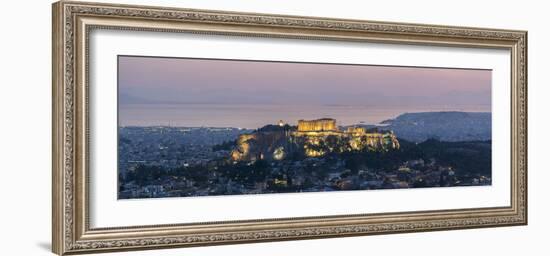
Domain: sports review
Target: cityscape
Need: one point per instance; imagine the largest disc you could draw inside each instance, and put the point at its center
(314, 156)
(191, 127)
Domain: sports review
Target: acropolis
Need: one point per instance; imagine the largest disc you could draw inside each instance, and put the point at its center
(313, 138)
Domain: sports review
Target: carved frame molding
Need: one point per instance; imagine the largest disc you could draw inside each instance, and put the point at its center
(72, 22)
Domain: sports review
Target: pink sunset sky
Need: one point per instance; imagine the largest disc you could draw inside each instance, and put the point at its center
(180, 80)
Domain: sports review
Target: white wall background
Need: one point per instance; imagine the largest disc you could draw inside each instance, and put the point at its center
(25, 152)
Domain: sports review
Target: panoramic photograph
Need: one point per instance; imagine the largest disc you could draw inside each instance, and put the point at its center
(211, 127)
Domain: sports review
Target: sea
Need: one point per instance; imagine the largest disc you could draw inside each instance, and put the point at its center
(252, 116)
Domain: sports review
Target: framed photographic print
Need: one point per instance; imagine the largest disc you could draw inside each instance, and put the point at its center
(179, 127)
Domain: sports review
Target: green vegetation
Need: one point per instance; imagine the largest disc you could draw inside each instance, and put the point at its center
(466, 158)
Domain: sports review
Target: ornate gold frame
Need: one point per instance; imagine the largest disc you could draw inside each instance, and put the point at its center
(72, 21)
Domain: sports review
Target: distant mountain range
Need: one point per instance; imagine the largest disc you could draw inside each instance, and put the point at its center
(444, 126)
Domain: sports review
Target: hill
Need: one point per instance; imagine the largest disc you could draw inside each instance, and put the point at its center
(444, 126)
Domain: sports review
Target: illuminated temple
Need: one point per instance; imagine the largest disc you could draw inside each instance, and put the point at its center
(313, 138)
(319, 125)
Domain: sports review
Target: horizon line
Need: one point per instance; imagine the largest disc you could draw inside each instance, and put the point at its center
(380, 124)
